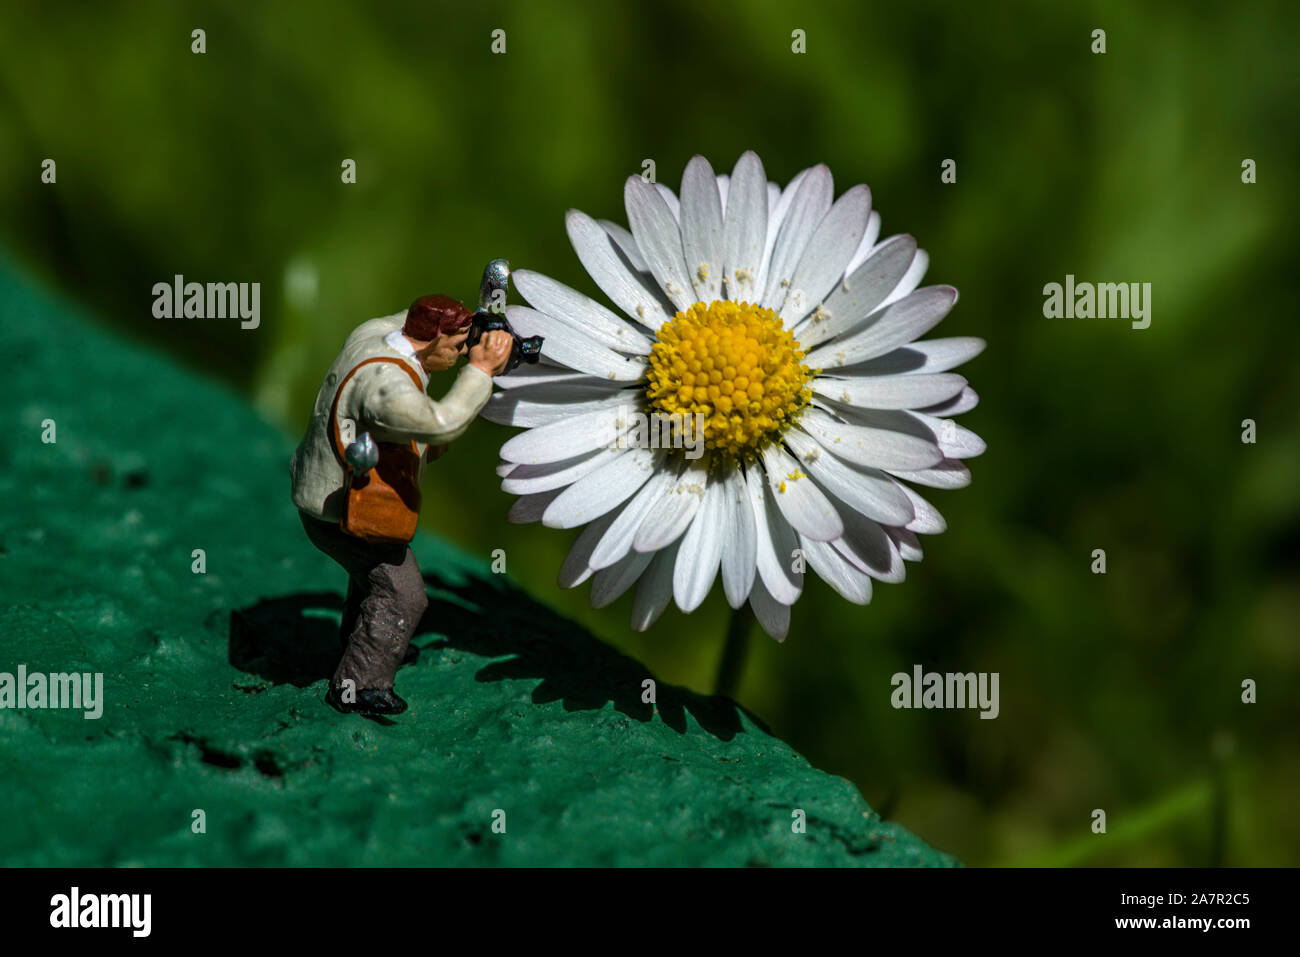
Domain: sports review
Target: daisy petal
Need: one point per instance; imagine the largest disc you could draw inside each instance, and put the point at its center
(896, 420)
(823, 261)
(955, 441)
(740, 550)
(613, 483)
(872, 447)
(866, 545)
(807, 209)
(868, 245)
(670, 199)
(909, 546)
(566, 438)
(546, 372)
(702, 229)
(776, 543)
(609, 583)
(966, 400)
(530, 479)
(617, 541)
(950, 473)
(627, 287)
(771, 614)
(862, 291)
(891, 392)
(745, 229)
(866, 490)
(778, 205)
(577, 567)
(798, 497)
(928, 521)
(851, 582)
(543, 404)
(670, 516)
(655, 590)
(887, 328)
(701, 551)
(921, 358)
(724, 186)
(569, 345)
(959, 442)
(626, 244)
(586, 315)
(529, 508)
(912, 278)
(659, 239)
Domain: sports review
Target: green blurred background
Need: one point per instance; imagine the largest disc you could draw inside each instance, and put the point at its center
(1118, 691)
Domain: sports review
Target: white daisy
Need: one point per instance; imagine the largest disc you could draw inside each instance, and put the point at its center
(777, 315)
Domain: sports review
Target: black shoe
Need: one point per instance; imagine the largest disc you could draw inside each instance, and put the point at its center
(380, 701)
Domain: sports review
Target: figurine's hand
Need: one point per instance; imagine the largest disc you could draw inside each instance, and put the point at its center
(492, 352)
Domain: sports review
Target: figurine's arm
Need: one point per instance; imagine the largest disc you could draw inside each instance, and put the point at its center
(393, 409)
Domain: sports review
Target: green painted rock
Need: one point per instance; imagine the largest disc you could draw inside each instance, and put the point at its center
(213, 682)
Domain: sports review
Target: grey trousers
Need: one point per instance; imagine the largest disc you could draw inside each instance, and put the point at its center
(385, 601)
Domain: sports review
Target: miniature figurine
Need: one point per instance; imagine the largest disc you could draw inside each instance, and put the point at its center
(356, 473)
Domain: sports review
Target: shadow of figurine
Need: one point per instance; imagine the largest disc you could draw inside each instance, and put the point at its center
(294, 639)
(289, 640)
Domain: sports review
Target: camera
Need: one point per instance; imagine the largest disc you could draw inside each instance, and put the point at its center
(524, 349)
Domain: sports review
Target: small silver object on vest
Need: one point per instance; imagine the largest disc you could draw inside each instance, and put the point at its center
(362, 455)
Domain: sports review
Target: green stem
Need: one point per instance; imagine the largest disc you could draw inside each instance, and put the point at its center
(734, 652)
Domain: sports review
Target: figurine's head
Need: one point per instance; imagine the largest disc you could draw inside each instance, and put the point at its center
(438, 327)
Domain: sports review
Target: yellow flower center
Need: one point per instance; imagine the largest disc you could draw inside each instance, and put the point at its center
(738, 366)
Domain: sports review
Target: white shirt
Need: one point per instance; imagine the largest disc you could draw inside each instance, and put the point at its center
(398, 341)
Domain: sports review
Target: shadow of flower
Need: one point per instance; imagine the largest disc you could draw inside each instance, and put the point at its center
(293, 639)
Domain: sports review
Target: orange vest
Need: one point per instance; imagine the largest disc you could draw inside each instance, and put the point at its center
(383, 506)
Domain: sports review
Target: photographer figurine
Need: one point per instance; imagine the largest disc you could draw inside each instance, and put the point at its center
(356, 474)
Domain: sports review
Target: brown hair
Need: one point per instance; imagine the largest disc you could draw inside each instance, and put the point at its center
(432, 316)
